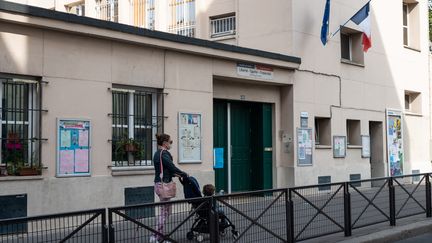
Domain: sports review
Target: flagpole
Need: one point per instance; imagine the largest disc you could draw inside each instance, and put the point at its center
(348, 20)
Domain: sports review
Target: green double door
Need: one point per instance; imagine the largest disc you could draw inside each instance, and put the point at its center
(245, 128)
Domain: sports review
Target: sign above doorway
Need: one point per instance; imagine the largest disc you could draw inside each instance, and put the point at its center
(255, 71)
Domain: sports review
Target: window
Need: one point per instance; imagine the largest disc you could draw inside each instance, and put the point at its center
(182, 17)
(413, 101)
(20, 123)
(353, 132)
(322, 131)
(411, 24)
(405, 23)
(351, 46)
(77, 8)
(223, 26)
(135, 122)
(107, 10)
(144, 13)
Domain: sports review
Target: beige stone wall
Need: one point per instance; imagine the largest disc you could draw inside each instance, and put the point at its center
(80, 69)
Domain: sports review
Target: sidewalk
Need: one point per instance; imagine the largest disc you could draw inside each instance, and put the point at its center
(405, 228)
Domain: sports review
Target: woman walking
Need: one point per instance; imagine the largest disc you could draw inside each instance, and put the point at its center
(165, 187)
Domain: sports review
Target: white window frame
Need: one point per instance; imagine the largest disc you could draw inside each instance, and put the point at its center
(405, 5)
(131, 125)
(215, 21)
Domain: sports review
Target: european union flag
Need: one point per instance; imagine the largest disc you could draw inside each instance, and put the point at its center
(325, 24)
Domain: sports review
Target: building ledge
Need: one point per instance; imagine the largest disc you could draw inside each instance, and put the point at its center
(132, 170)
(323, 146)
(412, 48)
(223, 37)
(409, 113)
(345, 61)
(20, 178)
(354, 146)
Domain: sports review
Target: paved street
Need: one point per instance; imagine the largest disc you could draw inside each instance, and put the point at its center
(418, 239)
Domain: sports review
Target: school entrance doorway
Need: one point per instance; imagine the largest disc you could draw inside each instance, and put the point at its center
(243, 130)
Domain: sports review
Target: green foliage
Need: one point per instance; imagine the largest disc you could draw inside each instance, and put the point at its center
(129, 145)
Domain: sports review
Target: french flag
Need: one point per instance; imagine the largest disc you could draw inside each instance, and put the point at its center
(362, 19)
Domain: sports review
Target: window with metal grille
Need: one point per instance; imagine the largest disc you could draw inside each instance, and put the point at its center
(136, 119)
(222, 26)
(107, 10)
(21, 121)
(182, 17)
(143, 13)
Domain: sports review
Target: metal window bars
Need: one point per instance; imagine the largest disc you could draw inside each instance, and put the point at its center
(20, 123)
(136, 118)
(223, 26)
(143, 12)
(182, 17)
(107, 10)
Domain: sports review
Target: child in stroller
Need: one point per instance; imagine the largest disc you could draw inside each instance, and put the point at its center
(201, 225)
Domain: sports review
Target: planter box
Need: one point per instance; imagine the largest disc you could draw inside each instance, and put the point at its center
(28, 172)
(130, 148)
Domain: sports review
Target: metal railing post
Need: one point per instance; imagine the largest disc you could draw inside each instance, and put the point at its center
(428, 196)
(290, 217)
(347, 210)
(111, 233)
(214, 220)
(104, 226)
(392, 202)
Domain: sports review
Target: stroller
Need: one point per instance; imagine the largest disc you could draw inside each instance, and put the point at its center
(201, 225)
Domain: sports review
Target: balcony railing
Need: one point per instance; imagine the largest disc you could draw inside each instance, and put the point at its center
(223, 26)
(107, 10)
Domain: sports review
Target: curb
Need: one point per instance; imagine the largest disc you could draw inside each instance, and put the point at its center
(395, 234)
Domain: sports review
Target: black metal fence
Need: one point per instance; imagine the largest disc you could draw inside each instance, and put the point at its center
(85, 226)
(281, 215)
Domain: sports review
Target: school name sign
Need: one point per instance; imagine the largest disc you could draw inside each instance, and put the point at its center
(255, 71)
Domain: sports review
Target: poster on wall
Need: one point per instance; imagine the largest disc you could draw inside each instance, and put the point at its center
(304, 146)
(189, 129)
(73, 147)
(365, 146)
(339, 146)
(395, 150)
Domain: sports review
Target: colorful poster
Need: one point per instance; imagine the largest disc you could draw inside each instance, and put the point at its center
(73, 150)
(83, 138)
(218, 158)
(66, 161)
(304, 146)
(339, 146)
(189, 137)
(82, 160)
(395, 148)
(65, 138)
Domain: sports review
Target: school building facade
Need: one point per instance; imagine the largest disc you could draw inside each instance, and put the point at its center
(250, 105)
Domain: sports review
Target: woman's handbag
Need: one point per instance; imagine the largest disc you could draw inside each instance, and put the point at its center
(165, 190)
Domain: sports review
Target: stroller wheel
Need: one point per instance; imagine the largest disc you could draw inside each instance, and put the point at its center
(222, 233)
(200, 238)
(190, 235)
(235, 234)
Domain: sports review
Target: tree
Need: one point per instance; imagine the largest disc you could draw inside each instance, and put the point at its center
(430, 20)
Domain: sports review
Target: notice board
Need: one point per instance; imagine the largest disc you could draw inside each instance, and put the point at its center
(73, 147)
(189, 128)
(395, 148)
(304, 146)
